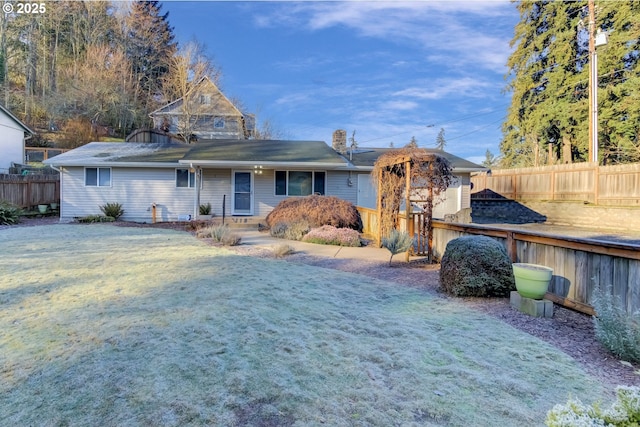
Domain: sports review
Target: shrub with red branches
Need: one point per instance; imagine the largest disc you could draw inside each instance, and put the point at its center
(317, 211)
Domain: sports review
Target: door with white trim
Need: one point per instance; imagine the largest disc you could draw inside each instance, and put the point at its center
(242, 185)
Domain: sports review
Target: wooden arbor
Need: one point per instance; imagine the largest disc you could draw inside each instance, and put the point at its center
(412, 175)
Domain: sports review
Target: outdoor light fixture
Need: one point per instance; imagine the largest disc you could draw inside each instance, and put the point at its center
(257, 170)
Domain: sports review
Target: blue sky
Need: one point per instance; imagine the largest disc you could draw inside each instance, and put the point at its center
(386, 70)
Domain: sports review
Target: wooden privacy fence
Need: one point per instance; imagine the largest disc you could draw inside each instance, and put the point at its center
(30, 190)
(617, 185)
(39, 154)
(579, 265)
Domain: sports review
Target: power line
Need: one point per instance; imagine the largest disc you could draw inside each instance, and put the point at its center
(471, 116)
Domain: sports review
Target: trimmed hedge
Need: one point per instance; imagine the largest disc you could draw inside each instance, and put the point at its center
(476, 266)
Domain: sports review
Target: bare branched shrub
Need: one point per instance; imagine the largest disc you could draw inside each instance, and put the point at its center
(317, 211)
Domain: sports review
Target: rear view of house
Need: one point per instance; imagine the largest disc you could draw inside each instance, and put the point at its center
(243, 177)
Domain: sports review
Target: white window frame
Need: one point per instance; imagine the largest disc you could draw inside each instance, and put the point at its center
(218, 122)
(286, 185)
(98, 173)
(191, 180)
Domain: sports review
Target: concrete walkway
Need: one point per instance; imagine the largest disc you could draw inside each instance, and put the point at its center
(263, 240)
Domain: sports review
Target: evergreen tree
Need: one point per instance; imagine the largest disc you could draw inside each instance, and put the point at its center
(490, 160)
(413, 143)
(149, 46)
(548, 117)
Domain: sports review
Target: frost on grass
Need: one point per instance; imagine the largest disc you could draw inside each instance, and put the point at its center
(105, 325)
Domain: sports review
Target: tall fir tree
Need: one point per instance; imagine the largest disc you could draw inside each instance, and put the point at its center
(149, 45)
(547, 121)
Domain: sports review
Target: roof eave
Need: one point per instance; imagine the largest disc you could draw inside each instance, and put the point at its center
(104, 164)
(269, 164)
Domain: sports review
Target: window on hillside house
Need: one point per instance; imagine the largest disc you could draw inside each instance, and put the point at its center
(218, 122)
(185, 178)
(205, 99)
(97, 177)
(299, 183)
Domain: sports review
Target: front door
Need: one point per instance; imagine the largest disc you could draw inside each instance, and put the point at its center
(242, 193)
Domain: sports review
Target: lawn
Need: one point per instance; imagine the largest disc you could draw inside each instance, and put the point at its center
(105, 325)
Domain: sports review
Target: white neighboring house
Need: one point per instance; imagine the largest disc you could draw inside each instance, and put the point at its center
(246, 177)
(13, 134)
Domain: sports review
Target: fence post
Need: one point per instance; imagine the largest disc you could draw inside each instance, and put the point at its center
(512, 248)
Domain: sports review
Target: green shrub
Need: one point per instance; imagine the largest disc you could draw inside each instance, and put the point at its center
(295, 230)
(9, 213)
(624, 412)
(615, 329)
(330, 235)
(476, 266)
(397, 242)
(317, 211)
(113, 210)
(95, 218)
(205, 209)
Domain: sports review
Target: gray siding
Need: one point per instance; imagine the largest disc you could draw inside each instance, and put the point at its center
(135, 189)
(216, 187)
(217, 184)
(11, 143)
(338, 185)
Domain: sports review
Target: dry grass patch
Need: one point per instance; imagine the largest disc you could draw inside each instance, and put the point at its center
(282, 250)
(137, 326)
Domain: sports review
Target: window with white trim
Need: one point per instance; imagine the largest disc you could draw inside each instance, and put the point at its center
(218, 122)
(97, 177)
(185, 178)
(299, 183)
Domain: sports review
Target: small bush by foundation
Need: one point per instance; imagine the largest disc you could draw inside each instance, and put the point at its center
(89, 219)
(330, 235)
(476, 266)
(113, 210)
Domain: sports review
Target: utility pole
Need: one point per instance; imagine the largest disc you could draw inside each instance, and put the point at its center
(593, 132)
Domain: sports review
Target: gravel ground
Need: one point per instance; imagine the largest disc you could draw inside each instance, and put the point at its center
(570, 331)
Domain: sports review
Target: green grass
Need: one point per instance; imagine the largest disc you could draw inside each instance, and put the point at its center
(103, 325)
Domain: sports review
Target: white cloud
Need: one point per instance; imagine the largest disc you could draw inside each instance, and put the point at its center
(442, 88)
(454, 32)
(399, 105)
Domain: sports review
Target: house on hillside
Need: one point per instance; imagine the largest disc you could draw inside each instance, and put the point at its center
(204, 113)
(12, 140)
(247, 178)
